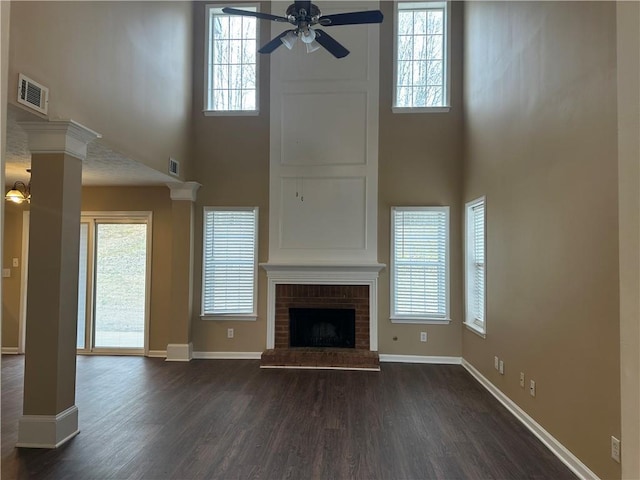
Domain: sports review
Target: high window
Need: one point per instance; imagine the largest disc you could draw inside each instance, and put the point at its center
(231, 62)
(475, 270)
(421, 56)
(230, 263)
(420, 264)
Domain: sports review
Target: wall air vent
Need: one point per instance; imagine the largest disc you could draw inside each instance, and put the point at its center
(32, 94)
(174, 167)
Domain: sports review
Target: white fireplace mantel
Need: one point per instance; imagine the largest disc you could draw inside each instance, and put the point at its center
(323, 274)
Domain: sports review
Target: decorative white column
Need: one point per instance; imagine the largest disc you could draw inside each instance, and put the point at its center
(50, 416)
(183, 196)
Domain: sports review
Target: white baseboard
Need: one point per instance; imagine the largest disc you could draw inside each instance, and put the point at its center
(386, 357)
(559, 450)
(228, 355)
(157, 354)
(48, 431)
(179, 352)
(9, 350)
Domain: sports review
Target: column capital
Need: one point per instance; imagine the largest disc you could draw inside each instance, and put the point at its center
(61, 136)
(183, 190)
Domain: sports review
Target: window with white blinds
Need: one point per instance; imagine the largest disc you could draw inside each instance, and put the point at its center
(475, 265)
(420, 264)
(229, 262)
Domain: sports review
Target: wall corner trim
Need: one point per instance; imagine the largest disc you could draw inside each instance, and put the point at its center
(228, 355)
(559, 450)
(390, 358)
(179, 352)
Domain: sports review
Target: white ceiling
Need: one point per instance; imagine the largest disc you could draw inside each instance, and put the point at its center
(103, 166)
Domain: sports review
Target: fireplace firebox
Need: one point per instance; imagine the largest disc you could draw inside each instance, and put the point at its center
(322, 327)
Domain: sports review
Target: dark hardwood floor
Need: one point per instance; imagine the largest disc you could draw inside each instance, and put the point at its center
(146, 418)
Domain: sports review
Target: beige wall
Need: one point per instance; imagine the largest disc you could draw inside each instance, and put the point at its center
(420, 164)
(157, 201)
(12, 248)
(104, 199)
(541, 144)
(628, 36)
(121, 68)
(232, 163)
(420, 161)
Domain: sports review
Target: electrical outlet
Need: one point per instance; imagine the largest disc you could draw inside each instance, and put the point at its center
(615, 449)
(423, 336)
(230, 332)
(501, 370)
(16, 262)
(532, 388)
(496, 363)
(522, 379)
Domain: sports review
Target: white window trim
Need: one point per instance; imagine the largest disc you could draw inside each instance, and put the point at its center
(471, 323)
(447, 61)
(253, 316)
(207, 51)
(420, 319)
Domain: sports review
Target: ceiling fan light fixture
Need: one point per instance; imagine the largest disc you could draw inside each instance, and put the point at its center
(312, 47)
(289, 40)
(308, 36)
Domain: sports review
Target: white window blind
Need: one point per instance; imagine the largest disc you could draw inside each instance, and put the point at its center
(229, 270)
(476, 268)
(421, 55)
(231, 64)
(420, 263)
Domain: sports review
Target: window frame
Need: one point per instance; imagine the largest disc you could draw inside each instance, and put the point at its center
(446, 107)
(252, 316)
(472, 323)
(207, 52)
(420, 318)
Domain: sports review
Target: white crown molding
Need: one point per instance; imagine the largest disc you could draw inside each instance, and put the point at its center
(48, 431)
(559, 450)
(183, 190)
(62, 136)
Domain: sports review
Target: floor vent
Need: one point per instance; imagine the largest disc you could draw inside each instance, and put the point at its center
(174, 167)
(32, 94)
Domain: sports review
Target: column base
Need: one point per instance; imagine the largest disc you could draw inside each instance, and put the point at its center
(48, 431)
(179, 352)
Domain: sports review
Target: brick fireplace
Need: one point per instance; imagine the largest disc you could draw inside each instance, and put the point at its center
(322, 286)
(327, 297)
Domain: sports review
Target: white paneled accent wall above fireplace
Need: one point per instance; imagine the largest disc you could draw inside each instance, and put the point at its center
(324, 147)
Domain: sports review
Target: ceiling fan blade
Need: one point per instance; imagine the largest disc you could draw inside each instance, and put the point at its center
(263, 16)
(331, 44)
(273, 44)
(352, 18)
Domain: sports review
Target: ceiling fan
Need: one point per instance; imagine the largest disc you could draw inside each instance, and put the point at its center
(304, 15)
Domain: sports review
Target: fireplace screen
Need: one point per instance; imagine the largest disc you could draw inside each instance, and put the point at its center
(322, 327)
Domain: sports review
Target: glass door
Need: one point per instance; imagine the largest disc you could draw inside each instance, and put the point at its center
(113, 276)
